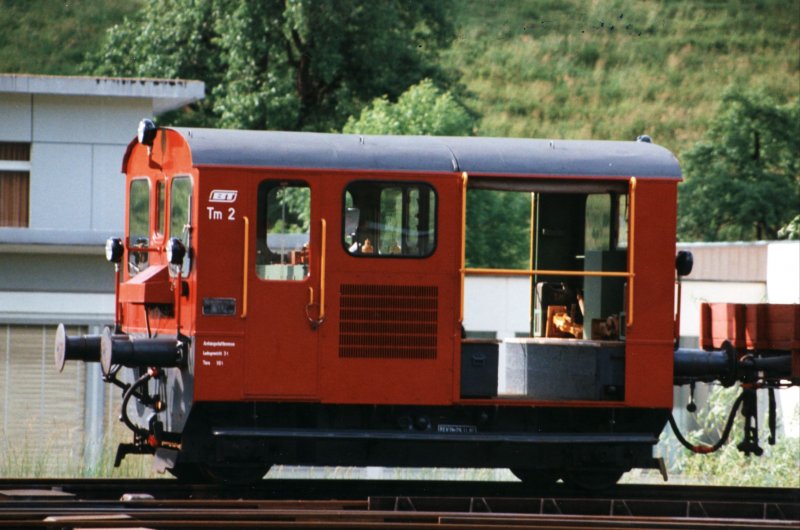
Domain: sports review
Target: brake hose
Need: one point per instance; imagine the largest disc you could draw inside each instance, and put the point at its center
(704, 449)
(127, 397)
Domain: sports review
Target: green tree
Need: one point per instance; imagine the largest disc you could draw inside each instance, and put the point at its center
(293, 64)
(743, 180)
(423, 109)
(498, 229)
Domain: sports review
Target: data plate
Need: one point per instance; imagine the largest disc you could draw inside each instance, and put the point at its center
(219, 306)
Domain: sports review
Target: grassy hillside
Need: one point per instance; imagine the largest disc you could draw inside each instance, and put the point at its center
(617, 69)
(533, 68)
(53, 36)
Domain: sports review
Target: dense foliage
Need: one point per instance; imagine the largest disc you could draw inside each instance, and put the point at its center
(294, 65)
(743, 179)
(777, 467)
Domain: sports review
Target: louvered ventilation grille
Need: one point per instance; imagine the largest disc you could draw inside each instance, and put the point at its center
(388, 321)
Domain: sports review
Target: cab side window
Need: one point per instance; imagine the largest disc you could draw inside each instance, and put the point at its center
(283, 230)
(389, 219)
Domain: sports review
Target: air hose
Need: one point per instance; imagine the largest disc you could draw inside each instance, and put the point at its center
(704, 449)
(141, 381)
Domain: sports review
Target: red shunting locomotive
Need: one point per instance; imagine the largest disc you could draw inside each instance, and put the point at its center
(298, 298)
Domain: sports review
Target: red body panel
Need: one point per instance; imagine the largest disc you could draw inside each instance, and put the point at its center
(649, 351)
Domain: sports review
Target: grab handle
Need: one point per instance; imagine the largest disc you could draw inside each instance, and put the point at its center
(245, 267)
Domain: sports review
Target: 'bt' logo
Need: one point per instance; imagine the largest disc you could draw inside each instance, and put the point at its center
(223, 196)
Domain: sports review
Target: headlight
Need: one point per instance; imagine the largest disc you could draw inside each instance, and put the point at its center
(114, 249)
(147, 132)
(176, 251)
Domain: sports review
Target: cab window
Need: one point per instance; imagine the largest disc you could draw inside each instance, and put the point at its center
(161, 199)
(138, 224)
(389, 219)
(283, 230)
(180, 211)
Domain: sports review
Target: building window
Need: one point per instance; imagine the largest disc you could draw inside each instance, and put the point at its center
(15, 167)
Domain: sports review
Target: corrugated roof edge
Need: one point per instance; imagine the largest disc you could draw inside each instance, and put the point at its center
(485, 156)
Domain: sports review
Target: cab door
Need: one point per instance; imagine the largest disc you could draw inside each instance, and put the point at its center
(281, 353)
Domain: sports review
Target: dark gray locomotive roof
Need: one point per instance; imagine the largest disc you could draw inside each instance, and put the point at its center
(476, 156)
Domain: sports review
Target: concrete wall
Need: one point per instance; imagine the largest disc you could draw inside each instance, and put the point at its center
(17, 122)
(76, 156)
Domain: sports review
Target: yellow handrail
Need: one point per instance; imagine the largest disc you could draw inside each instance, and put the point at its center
(631, 240)
(245, 267)
(462, 268)
(322, 272)
(546, 272)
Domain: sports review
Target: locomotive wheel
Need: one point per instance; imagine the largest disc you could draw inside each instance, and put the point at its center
(236, 474)
(537, 478)
(593, 479)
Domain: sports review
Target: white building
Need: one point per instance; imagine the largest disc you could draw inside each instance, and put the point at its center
(62, 140)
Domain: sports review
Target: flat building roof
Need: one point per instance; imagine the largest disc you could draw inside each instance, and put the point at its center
(167, 94)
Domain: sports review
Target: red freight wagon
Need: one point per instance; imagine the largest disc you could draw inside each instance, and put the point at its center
(297, 298)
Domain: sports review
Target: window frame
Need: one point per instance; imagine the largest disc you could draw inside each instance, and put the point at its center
(15, 170)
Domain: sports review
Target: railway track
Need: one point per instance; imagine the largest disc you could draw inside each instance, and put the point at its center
(54, 503)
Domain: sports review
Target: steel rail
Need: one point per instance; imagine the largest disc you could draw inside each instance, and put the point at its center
(347, 489)
(405, 504)
(127, 516)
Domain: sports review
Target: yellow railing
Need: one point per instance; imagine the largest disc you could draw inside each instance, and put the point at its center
(547, 272)
(246, 266)
(323, 251)
(631, 241)
(463, 268)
